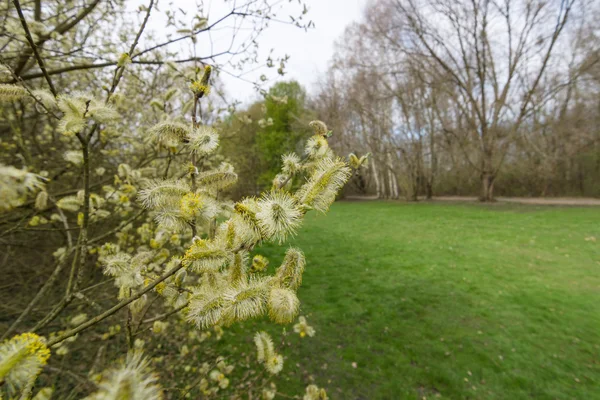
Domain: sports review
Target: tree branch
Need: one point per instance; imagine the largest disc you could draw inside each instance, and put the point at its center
(113, 309)
(33, 46)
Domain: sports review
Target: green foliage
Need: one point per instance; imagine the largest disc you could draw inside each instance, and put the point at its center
(261, 134)
(284, 128)
(242, 150)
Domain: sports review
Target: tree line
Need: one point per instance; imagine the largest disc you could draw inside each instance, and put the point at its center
(482, 97)
(477, 98)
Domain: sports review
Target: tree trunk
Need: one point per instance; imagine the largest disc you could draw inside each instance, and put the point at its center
(414, 186)
(487, 181)
(545, 189)
(396, 187)
(414, 195)
(377, 181)
(390, 184)
(428, 190)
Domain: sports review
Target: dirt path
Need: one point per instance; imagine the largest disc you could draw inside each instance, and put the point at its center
(555, 201)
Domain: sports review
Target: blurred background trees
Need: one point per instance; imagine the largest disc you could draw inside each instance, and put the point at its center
(484, 98)
(471, 98)
(265, 130)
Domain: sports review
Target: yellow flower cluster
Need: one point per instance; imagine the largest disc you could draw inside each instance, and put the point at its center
(319, 127)
(259, 263)
(132, 379)
(217, 377)
(190, 205)
(303, 329)
(266, 354)
(314, 393)
(21, 360)
(317, 147)
(200, 89)
(356, 162)
(35, 345)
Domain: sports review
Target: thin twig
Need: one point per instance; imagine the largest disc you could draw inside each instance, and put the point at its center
(59, 265)
(165, 315)
(36, 54)
(113, 309)
(119, 71)
(20, 80)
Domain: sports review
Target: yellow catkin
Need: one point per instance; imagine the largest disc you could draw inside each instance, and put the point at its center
(20, 349)
(35, 345)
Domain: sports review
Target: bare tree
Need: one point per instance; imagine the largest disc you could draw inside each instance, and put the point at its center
(462, 97)
(496, 53)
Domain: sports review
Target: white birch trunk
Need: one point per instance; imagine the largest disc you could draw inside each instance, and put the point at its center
(376, 177)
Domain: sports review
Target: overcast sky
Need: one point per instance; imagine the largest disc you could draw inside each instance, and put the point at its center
(310, 51)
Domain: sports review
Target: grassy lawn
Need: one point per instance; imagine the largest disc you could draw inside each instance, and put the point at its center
(449, 301)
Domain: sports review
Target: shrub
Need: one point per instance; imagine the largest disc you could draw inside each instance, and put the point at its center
(175, 248)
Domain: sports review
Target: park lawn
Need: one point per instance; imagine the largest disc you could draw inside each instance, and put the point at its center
(438, 300)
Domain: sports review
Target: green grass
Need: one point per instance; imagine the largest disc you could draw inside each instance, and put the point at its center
(456, 301)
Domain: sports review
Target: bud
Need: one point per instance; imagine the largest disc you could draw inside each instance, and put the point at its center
(180, 277)
(138, 305)
(124, 59)
(319, 127)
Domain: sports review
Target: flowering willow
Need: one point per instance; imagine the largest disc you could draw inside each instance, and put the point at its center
(21, 360)
(193, 253)
(132, 380)
(230, 290)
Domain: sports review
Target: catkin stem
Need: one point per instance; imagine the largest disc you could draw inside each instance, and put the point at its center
(165, 315)
(121, 69)
(86, 211)
(193, 160)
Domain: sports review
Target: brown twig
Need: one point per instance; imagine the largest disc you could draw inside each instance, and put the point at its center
(33, 46)
(113, 309)
(165, 315)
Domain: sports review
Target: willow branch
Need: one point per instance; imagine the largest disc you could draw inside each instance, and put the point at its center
(40, 294)
(60, 29)
(17, 78)
(113, 309)
(67, 298)
(165, 315)
(80, 67)
(119, 71)
(83, 233)
(33, 46)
